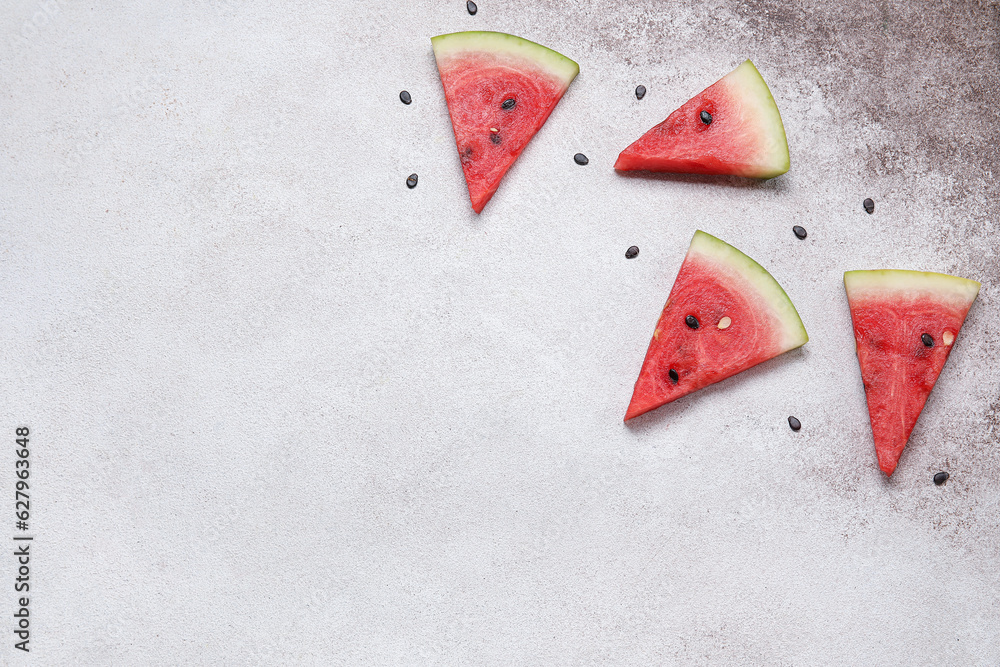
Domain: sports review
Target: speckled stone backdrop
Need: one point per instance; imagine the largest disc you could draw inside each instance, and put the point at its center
(286, 411)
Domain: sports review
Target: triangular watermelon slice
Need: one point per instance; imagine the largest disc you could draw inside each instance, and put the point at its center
(725, 314)
(500, 90)
(732, 127)
(905, 325)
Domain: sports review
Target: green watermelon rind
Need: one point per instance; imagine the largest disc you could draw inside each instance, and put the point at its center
(961, 291)
(552, 62)
(754, 90)
(721, 253)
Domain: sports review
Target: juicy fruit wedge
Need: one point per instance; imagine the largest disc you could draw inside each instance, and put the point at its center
(500, 90)
(725, 314)
(905, 324)
(743, 136)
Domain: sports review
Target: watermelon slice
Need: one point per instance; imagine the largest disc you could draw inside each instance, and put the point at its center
(500, 90)
(732, 127)
(725, 314)
(905, 324)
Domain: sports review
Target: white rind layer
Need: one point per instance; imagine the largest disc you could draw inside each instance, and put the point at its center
(950, 289)
(759, 104)
(478, 41)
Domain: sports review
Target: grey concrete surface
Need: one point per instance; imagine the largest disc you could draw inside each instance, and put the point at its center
(286, 411)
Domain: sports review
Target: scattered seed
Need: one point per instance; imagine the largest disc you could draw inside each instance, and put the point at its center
(691, 321)
(640, 92)
(580, 158)
(632, 252)
(411, 181)
(494, 129)
(706, 118)
(794, 423)
(724, 323)
(404, 97)
(674, 376)
(869, 206)
(948, 337)
(508, 104)
(495, 138)
(941, 477)
(927, 340)
(799, 231)
(471, 6)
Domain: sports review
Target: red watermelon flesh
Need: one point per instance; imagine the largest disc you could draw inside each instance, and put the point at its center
(892, 311)
(500, 90)
(743, 318)
(745, 136)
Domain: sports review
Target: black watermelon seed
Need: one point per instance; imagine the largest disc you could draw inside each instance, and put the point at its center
(494, 137)
(691, 321)
(799, 231)
(794, 423)
(581, 158)
(927, 340)
(706, 118)
(869, 206)
(508, 104)
(471, 6)
(640, 92)
(632, 252)
(941, 478)
(404, 97)
(411, 181)
(674, 376)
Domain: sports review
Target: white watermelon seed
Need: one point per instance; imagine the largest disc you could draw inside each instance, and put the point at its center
(724, 323)
(948, 337)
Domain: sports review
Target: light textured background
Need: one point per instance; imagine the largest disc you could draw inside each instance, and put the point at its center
(285, 410)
